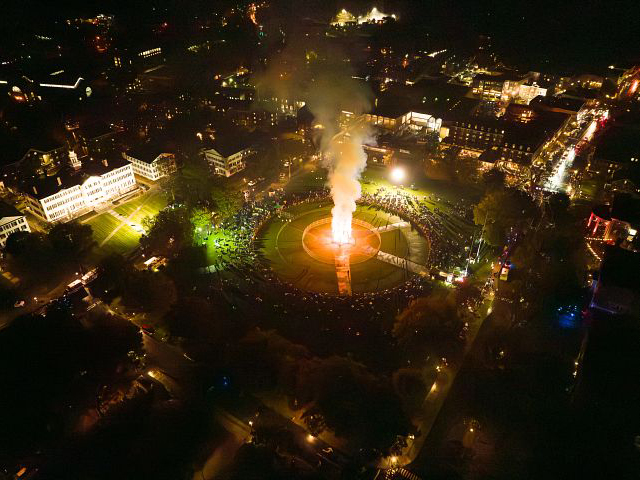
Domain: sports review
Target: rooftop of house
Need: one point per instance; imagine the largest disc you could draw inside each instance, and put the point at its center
(228, 144)
(501, 77)
(618, 282)
(67, 177)
(620, 144)
(626, 208)
(95, 129)
(559, 103)
(7, 210)
(145, 152)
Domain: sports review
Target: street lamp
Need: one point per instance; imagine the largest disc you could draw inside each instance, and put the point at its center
(398, 174)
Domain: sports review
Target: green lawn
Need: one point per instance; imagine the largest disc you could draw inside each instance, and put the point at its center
(304, 182)
(146, 205)
(123, 241)
(220, 245)
(282, 247)
(376, 177)
(102, 225)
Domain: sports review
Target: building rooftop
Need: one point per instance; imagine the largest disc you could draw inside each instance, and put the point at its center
(536, 132)
(557, 103)
(619, 144)
(619, 283)
(96, 129)
(229, 144)
(389, 110)
(67, 177)
(501, 77)
(626, 208)
(145, 152)
(7, 210)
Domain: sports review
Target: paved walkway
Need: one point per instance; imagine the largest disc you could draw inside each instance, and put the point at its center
(403, 263)
(343, 272)
(392, 226)
(123, 220)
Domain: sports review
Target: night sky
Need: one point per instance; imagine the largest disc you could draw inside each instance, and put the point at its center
(552, 34)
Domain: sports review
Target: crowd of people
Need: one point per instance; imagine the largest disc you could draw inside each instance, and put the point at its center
(443, 225)
(249, 284)
(446, 225)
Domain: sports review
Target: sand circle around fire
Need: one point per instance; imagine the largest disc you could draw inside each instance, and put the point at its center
(317, 241)
(297, 245)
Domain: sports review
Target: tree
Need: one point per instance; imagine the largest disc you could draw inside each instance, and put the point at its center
(226, 203)
(558, 205)
(355, 404)
(151, 291)
(8, 296)
(268, 163)
(264, 359)
(169, 231)
(192, 184)
(71, 239)
(551, 264)
(181, 268)
(450, 165)
(493, 179)
(31, 251)
(113, 273)
(19, 243)
(412, 385)
(201, 221)
(501, 210)
(193, 317)
(430, 324)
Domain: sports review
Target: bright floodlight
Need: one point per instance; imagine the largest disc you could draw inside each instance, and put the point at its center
(397, 174)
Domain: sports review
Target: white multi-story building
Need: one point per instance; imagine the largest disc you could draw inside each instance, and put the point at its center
(228, 158)
(522, 92)
(151, 163)
(72, 193)
(11, 221)
(394, 119)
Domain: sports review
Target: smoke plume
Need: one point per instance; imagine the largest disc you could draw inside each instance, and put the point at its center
(345, 161)
(323, 79)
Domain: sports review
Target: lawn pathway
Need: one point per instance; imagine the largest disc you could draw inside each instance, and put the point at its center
(123, 220)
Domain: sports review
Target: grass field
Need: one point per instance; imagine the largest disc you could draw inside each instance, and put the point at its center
(220, 247)
(146, 205)
(375, 177)
(282, 247)
(124, 240)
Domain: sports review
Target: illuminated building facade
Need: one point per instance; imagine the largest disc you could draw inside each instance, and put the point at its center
(412, 121)
(150, 163)
(344, 18)
(74, 192)
(11, 221)
(488, 87)
(226, 158)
